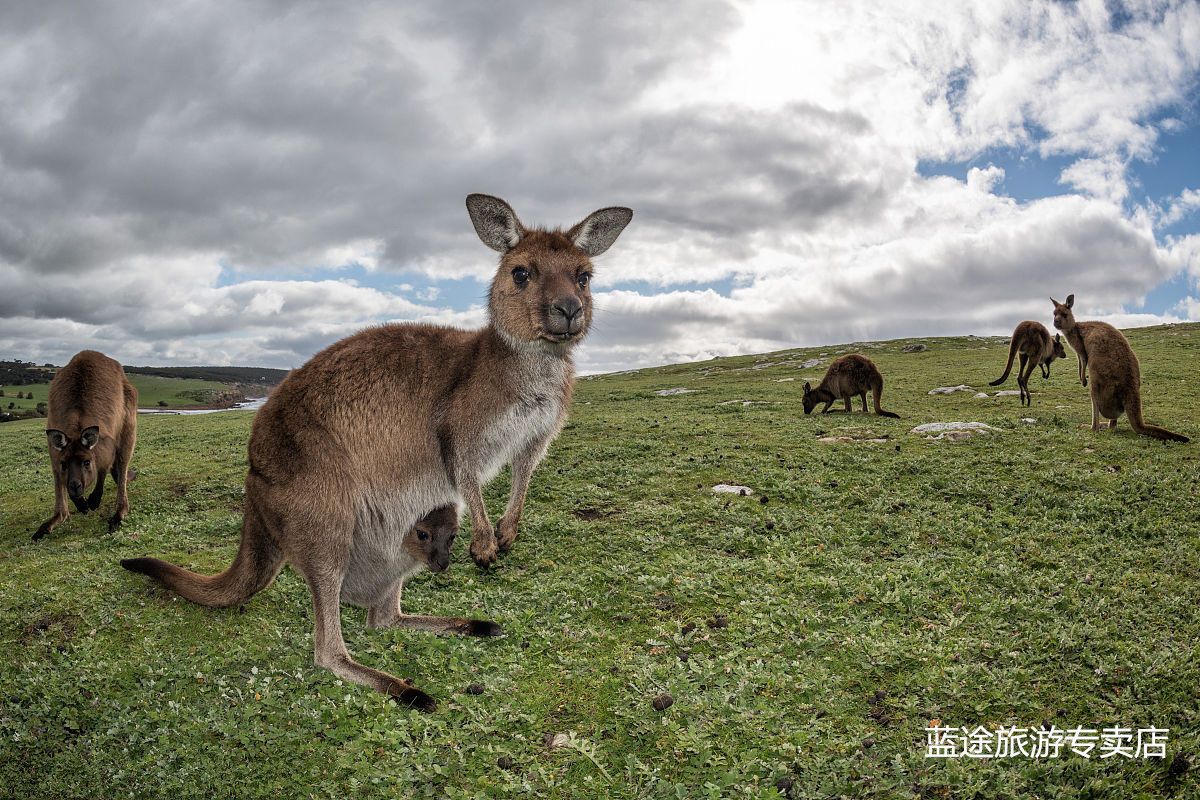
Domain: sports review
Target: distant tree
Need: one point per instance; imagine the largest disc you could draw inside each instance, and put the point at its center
(1, 393)
(42, 409)
(20, 395)
(162, 403)
(12, 405)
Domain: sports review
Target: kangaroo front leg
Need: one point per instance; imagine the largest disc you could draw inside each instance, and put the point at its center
(522, 471)
(93, 501)
(120, 473)
(483, 536)
(61, 512)
(1095, 414)
(329, 648)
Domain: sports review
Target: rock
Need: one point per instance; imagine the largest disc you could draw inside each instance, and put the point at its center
(745, 403)
(962, 387)
(1029, 420)
(556, 741)
(981, 396)
(1007, 393)
(935, 427)
(847, 440)
(914, 348)
(812, 362)
(475, 688)
(675, 391)
(663, 702)
(504, 762)
(785, 380)
(730, 488)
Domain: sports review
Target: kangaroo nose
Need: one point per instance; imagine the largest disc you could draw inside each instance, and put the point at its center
(74, 488)
(568, 307)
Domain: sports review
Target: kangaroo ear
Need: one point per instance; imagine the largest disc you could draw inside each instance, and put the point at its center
(807, 387)
(1070, 301)
(89, 437)
(1056, 303)
(1058, 337)
(600, 229)
(57, 439)
(495, 222)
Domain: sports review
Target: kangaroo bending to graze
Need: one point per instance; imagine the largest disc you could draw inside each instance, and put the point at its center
(847, 377)
(1037, 349)
(91, 430)
(359, 443)
(1108, 362)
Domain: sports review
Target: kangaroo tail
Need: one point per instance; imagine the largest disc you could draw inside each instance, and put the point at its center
(1012, 353)
(876, 394)
(257, 563)
(1133, 409)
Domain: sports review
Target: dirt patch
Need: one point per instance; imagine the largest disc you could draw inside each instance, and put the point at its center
(56, 623)
(591, 514)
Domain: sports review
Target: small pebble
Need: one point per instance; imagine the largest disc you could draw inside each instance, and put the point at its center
(719, 621)
(504, 762)
(663, 702)
(475, 688)
(764, 500)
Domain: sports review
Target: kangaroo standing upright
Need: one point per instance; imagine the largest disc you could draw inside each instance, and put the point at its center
(1107, 360)
(1037, 349)
(91, 429)
(847, 377)
(379, 428)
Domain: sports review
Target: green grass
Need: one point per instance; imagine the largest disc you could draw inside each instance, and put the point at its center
(1039, 573)
(177, 392)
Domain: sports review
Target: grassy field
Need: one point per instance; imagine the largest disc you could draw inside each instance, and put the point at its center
(809, 633)
(177, 392)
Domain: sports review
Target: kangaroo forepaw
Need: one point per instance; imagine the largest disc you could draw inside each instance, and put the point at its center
(115, 521)
(42, 530)
(506, 534)
(484, 552)
(80, 505)
(412, 697)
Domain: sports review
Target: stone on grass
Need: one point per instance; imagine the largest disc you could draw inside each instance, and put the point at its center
(914, 348)
(810, 363)
(953, 431)
(663, 702)
(675, 391)
(733, 488)
(1029, 420)
(556, 741)
(962, 387)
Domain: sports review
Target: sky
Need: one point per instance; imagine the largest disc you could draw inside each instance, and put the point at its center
(202, 183)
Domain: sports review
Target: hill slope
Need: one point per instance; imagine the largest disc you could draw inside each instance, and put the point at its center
(1039, 573)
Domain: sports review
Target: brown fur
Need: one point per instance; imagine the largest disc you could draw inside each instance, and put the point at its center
(1037, 349)
(91, 430)
(1109, 363)
(847, 377)
(359, 443)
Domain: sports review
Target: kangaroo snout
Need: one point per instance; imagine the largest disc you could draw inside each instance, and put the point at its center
(565, 315)
(75, 490)
(439, 563)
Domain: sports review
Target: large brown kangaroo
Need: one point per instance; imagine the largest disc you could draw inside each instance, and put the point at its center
(377, 429)
(847, 377)
(1037, 349)
(91, 429)
(1107, 360)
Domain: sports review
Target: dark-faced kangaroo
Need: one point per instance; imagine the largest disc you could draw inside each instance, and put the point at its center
(847, 377)
(91, 428)
(1037, 349)
(1109, 363)
(377, 429)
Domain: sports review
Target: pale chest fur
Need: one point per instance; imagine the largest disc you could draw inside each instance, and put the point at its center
(533, 414)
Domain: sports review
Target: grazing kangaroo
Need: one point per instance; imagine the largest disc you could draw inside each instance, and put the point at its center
(846, 377)
(1037, 349)
(91, 429)
(359, 443)
(1107, 360)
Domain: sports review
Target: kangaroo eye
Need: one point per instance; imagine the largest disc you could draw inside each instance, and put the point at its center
(422, 535)
(87, 464)
(520, 276)
(583, 280)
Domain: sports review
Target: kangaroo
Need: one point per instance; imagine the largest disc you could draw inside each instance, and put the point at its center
(846, 377)
(1107, 360)
(1037, 349)
(91, 430)
(357, 444)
